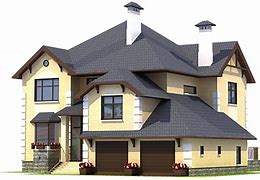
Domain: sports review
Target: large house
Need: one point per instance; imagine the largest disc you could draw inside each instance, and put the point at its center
(131, 95)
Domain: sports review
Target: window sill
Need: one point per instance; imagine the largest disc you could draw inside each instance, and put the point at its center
(111, 120)
(232, 105)
(46, 102)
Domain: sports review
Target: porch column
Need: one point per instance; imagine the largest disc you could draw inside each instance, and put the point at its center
(64, 138)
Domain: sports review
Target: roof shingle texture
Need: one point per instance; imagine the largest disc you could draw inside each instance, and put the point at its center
(139, 84)
(182, 116)
(150, 51)
(74, 110)
(46, 117)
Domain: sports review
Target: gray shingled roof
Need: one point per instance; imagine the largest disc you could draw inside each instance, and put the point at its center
(150, 52)
(139, 84)
(221, 50)
(46, 117)
(182, 116)
(74, 110)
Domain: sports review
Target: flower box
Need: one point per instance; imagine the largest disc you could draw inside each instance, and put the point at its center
(54, 145)
(40, 146)
(86, 170)
(132, 172)
(180, 172)
(131, 169)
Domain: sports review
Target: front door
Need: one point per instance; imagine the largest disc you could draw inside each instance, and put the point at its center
(76, 143)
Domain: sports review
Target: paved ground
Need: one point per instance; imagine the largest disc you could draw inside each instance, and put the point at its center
(96, 177)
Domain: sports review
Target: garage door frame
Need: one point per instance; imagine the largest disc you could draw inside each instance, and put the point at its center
(106, 147)
(160, 155)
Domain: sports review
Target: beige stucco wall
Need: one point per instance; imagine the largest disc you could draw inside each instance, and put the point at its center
(237, 111)
(95, 122)
(210, 158)
(207, 87)
(159, 78)
(32, 107)
(148, 106)
(175, 83)
(127, 123)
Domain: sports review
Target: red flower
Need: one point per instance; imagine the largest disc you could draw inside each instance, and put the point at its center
(84, 164)
(89, 164)
(179, 166)
(131, 165)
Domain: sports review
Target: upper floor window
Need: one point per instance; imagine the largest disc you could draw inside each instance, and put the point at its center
(112, 107)
(47, 89)
(190, 89)
(232, 93)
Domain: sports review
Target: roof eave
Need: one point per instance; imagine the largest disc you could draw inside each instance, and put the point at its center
(82, 136)
(249, 77)
(93, 84)
(39, 53)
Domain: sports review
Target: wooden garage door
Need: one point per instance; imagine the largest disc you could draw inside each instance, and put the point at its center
(157, 157)
(111, 156)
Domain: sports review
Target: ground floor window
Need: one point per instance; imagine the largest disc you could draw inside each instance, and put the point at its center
(238, 155)
(201, 150)
(45, 133)
(219, 150)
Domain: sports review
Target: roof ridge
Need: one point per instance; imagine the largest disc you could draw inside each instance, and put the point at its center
(179, 52)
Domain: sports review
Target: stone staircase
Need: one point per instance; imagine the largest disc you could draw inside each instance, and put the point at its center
(67, 168)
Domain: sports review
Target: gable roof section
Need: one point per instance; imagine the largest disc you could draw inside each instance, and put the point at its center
(150, 52)
(139, 84)
(182, 117)
(222, 53)
(61, 56)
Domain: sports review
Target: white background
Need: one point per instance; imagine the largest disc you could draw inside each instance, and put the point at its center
(27, 25)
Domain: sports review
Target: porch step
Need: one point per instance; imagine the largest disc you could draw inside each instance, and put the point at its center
(67, 168)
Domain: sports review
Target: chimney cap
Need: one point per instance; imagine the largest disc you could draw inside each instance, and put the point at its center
(133, 4)
(205, 23)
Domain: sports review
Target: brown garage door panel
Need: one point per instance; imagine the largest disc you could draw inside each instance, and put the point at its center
(157, 157)
(111, 155)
